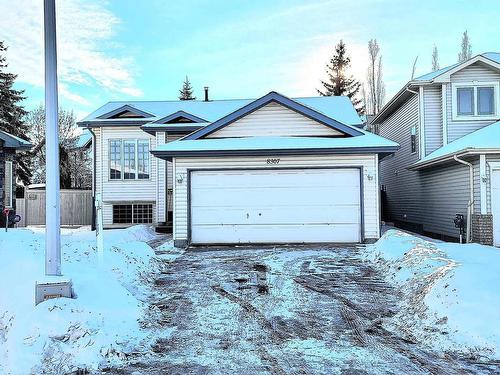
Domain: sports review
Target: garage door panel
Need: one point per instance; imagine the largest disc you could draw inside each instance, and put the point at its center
(227, 234)
(272, 205)
(278, 215)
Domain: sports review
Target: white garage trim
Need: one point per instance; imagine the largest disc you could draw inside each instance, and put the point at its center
(356, 236)
(495, 200)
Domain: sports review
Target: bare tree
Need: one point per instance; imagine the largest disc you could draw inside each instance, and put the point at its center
(376, 87)
(466, 51)
(414, 67)
(435, 58)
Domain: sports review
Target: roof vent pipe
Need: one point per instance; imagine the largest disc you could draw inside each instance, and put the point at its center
(206, 93)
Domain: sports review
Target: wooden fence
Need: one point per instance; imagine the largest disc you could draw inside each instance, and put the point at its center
(76, 207)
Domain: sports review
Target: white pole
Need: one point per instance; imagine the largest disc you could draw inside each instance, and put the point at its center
(52, 204)
(99, 230)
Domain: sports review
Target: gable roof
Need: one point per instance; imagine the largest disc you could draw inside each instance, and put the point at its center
(442, 75)
(337, 107)
(365, 143)
(274, 97)
(125, 108)
(11, 141)
(178, 114)
(482, 140)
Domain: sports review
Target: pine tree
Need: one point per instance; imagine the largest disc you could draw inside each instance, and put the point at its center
(339, 82)
(186, 93)
(12, 113)
(466, 51)
(435, 59)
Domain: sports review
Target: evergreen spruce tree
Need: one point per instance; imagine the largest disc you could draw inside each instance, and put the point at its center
(466, 49)
(186, 93)
(12, 113)
(339, 82)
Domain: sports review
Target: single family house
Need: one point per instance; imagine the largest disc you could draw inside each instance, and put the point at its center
(449, 161)
(270, 170)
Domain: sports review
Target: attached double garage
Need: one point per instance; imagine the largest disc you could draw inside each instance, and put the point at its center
(300, 199)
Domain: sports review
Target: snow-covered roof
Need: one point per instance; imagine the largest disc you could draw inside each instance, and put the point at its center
(366, 142)
(339, 108)
(11, 141)
(484, 139)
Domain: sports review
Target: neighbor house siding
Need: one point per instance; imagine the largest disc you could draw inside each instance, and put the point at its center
(402, 186)
(367, 162)
(475, 72)
(445, 193)
(123, 191)
(433, 118)
(274, 120)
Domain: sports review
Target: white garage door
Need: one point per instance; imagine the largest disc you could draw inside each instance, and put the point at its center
(495, 205)
(275, 206)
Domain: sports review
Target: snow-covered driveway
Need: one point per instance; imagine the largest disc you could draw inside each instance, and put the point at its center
(283, 310)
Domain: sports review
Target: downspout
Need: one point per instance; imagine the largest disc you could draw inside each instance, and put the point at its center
(470, 205)
(94, 187)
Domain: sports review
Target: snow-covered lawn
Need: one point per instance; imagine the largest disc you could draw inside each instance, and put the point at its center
(451, 292)
(95, 328)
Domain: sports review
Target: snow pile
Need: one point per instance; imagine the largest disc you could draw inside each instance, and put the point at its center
(99, 326)
(450, 291)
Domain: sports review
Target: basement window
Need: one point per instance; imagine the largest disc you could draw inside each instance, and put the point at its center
(133, 213)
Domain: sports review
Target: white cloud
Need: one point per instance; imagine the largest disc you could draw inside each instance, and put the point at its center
(84, 33)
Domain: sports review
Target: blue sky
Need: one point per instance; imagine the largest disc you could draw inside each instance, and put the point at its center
(119, 50)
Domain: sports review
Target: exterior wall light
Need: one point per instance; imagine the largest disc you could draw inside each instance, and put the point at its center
(180, 178)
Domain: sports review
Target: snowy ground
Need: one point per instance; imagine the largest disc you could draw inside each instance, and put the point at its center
(401, 306)
(95, 329)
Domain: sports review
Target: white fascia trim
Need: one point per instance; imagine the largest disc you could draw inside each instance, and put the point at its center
(444, 114)
(421, 129)
(464, 152)
(445, 77)
(475, 85)
(482, 183)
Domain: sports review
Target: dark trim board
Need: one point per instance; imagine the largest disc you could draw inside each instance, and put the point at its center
(274, 97)
(187, 242)
(178, 114)
(384, 151)
(125, 108)
(118, 122)
(171, 129)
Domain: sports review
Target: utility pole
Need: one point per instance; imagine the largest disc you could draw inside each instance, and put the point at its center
(52, 199)
(53, 286)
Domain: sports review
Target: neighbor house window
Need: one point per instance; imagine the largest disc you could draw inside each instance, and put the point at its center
(475, 100)
(133, 213)
(413, 139)
(129, 159)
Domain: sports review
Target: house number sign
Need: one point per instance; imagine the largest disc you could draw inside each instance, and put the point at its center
(272, 161)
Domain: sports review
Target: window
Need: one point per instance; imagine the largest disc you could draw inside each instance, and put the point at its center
(129, 159)
(465, 102)
(9, 182)
(413, 139)
(133, 213)
(115, 160)
(478, 100)
(142, 160)
(485, 100)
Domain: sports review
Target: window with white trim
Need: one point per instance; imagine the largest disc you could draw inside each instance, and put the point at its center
(413, 139)
(137, 213)
(476, 100)
(129, 159)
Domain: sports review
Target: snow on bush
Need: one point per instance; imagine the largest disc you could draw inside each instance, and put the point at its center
(450, 291)
(99, 326)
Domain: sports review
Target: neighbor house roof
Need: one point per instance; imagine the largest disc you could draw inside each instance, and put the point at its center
(335, 107)
(441, 75)
(11, 141)
(484, 140)
(83, 140)
(365, 143)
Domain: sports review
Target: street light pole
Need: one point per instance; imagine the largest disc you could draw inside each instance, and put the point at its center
(52, 204)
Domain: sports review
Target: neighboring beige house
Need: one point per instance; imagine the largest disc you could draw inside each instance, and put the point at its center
(273, 170)
(447, 125)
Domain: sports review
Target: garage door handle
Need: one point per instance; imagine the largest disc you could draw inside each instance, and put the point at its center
(248, 215)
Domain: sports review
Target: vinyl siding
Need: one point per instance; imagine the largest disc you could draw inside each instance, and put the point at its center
(490, 159)
(433, 118)
(402, 186)
(475, 72)
(161, 186)
(370, 188)
(119, 190)
(274, 120)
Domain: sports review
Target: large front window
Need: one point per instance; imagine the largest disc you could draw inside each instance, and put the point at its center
(478, 101)
(129, 159)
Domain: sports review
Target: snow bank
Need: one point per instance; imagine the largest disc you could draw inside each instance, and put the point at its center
(450, 291)
(100, 325)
